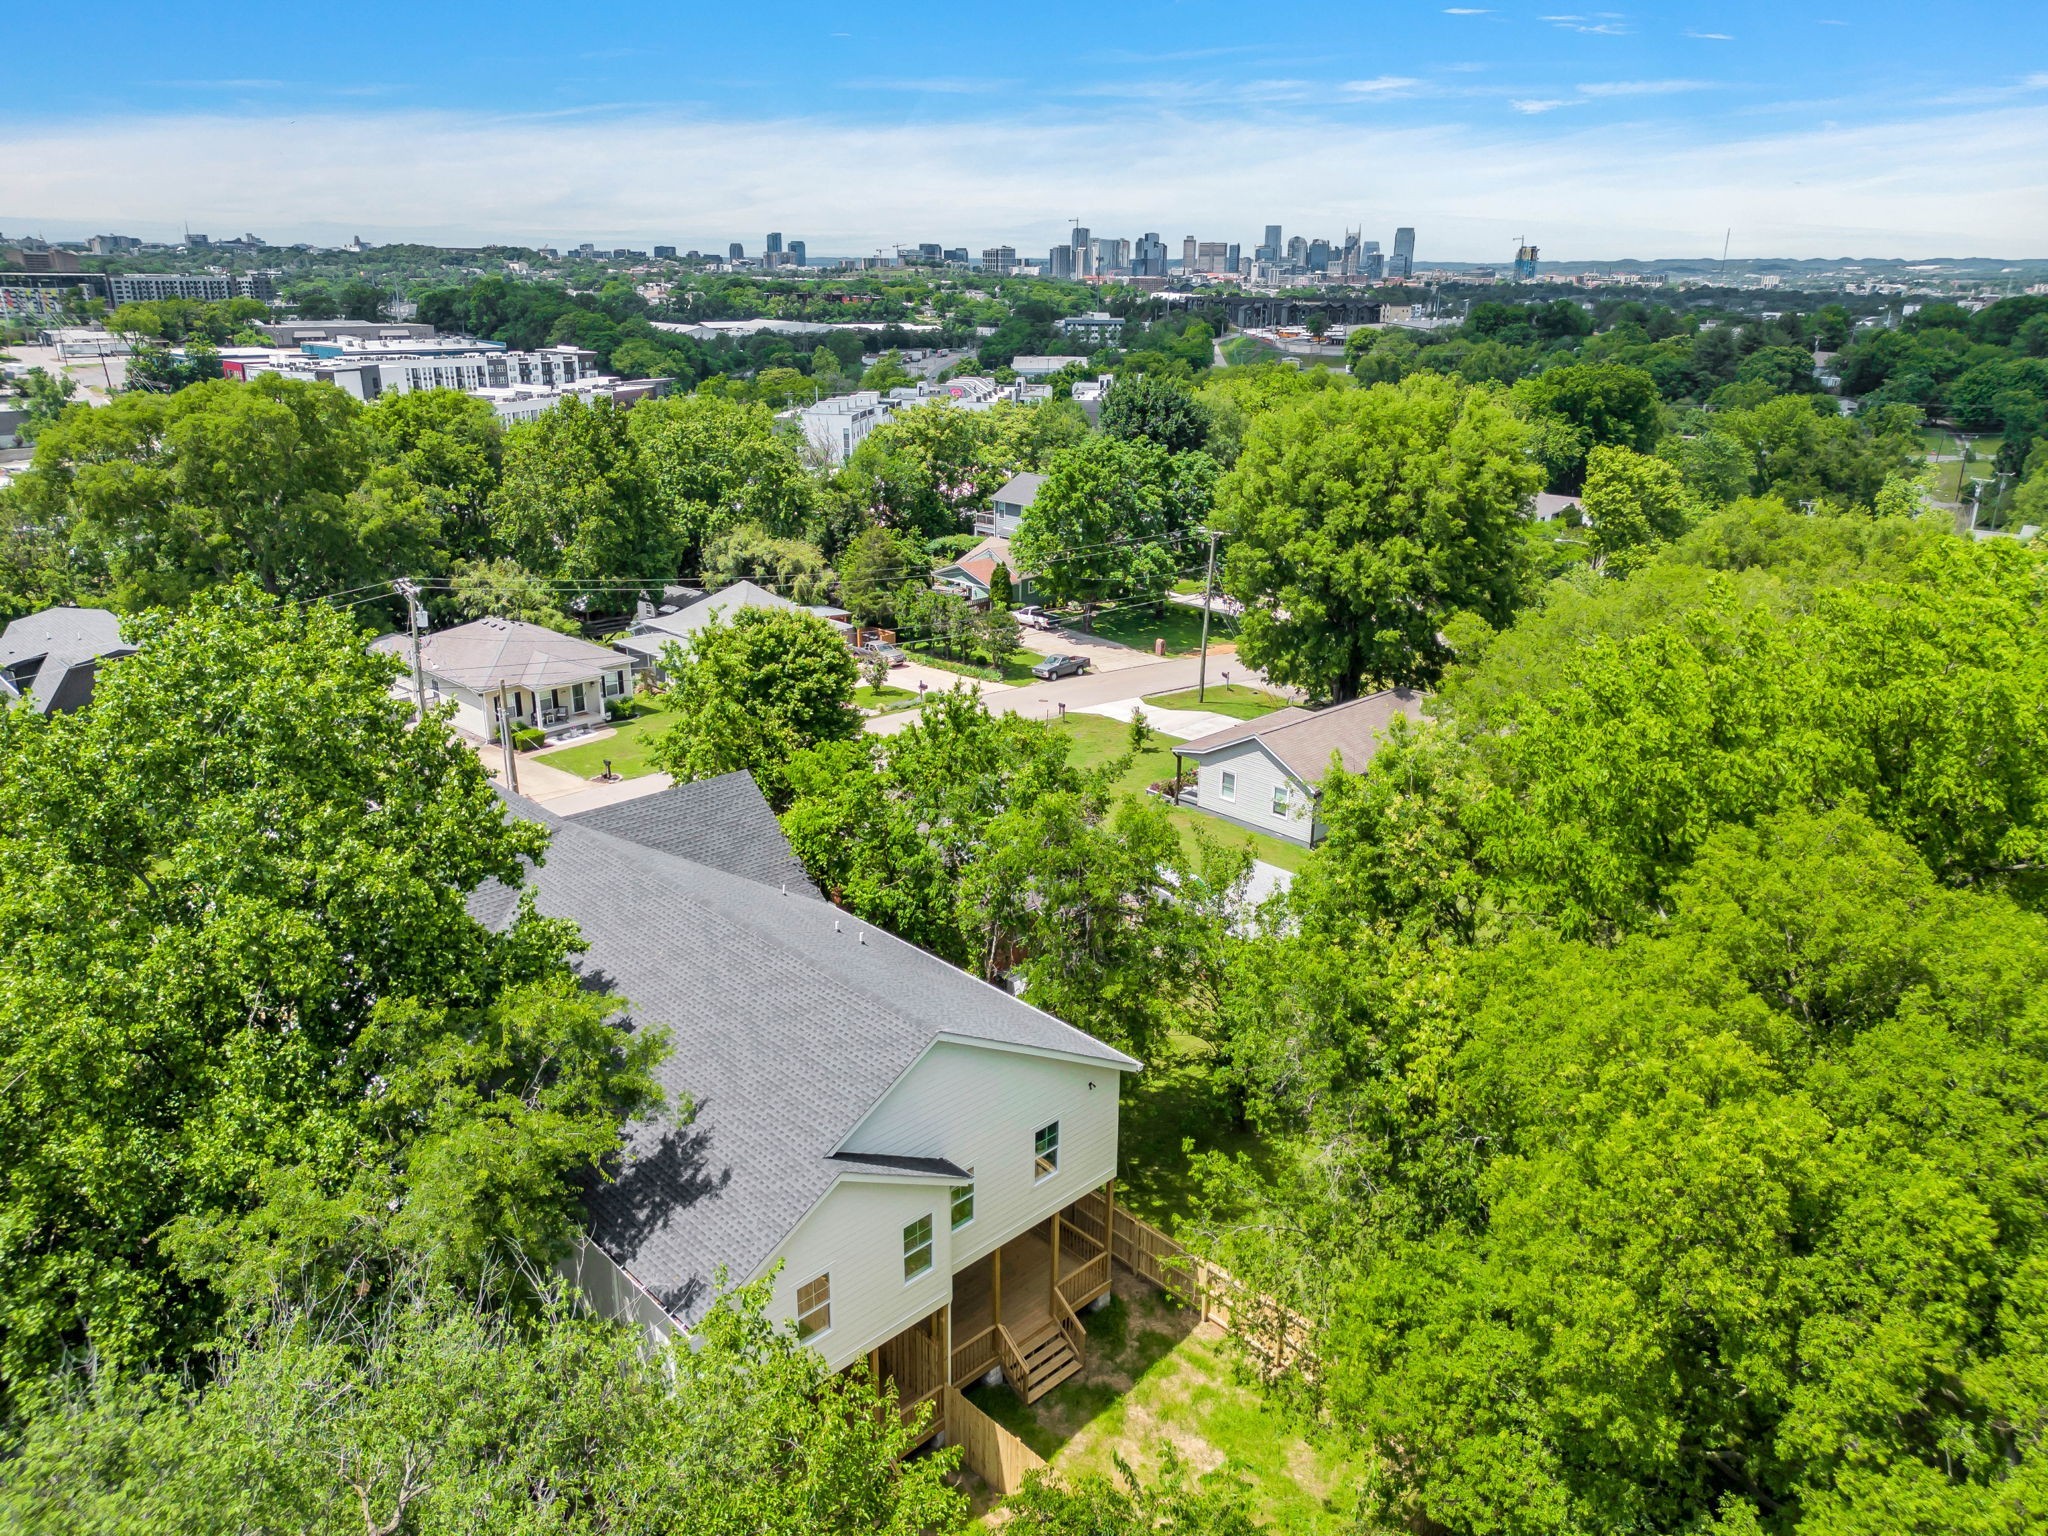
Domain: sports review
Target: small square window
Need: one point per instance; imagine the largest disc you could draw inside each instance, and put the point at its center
(1229, 790)
(1046, 1151)
(1279, 799)
(814, 1306)
(917, 1247)
(963, 1205)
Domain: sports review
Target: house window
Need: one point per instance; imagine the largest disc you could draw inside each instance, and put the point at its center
(576, 693)
(1046, 1151)
(1229, 790)
(963, 1205)
(917, 1248)
(814, 1306)
(1279, 799)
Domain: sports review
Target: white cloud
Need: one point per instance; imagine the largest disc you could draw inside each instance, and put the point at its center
(1712, 37)
(2038, 82)
(1957, 183)
(1465, 10)
(1534, 107)
(1643, 87)
(1380, 85)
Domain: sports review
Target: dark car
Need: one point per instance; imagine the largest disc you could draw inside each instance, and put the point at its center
(1060, 666)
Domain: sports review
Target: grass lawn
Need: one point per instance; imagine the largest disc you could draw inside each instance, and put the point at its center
(885, 698)
(1237, 701)
(1154, 1377)
(1176, 623)
(1097, 739)
(1017, 669)
(629, 746)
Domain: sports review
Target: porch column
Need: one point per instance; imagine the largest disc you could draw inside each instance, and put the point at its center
(996, 1289)
(1109, 1222)
(1052, 1284)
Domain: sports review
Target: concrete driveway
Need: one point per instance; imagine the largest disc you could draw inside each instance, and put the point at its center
(1042, 701)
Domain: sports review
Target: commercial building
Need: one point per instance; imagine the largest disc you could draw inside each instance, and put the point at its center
(665, 253)
(1096, 326)
(796, 253)
(1525, 263)
(1149, 258)
(1001, 260)
(205, 287)
(1403, 264)
(1270, 248)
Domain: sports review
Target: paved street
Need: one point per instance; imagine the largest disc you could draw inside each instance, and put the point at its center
(1042, 701)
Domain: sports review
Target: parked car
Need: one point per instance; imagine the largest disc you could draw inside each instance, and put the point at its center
(1036, 618)
(1060, 666)
(893, 654)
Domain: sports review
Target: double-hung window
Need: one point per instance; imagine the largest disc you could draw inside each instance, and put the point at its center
(963, 1205)
(917, 1248)
(1229, 790)
(814, 1306)
(1046, 1152)
(1280, 799)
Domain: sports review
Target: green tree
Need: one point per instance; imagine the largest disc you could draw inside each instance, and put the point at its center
(44, 396)
(449, 448)
(1158, 409)
(1102, 524)
(1177, 1504)
(436, 1415)
(1582, 406)
(162, 496)
(790, 568)
(711, 464)
(753, 692)
(1358, 522)
(505, 589)
(1633, 503)
(577, 506)
(872, 571)
(282, 1020)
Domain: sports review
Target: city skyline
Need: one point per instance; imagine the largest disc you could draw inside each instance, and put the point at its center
(1612, 134)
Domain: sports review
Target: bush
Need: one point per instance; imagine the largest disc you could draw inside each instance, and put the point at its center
(527, 737)
(619, 709)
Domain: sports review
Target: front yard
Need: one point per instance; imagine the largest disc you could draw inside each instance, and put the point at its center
(1238, 701)
(1139, 624)
(629, 746)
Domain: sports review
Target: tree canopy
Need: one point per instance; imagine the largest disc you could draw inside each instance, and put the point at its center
(1358, 522)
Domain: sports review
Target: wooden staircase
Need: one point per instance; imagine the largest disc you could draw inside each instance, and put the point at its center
(1048, 1358)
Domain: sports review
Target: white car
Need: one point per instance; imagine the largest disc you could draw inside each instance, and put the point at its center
(1036, 618)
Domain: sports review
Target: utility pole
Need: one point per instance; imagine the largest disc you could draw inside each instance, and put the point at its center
(505, 741)
(410, 593)
(1208, 597)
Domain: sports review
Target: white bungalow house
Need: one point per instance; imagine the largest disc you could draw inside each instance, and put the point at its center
(652, 635)
(1265, 773)
(923, 1162)
(506, 668)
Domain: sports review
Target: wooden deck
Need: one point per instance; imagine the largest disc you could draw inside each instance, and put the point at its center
(1037, 1340)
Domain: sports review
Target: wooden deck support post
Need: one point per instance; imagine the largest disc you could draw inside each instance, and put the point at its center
(1052, 1285)
(1109, 1224)
(996, 1290)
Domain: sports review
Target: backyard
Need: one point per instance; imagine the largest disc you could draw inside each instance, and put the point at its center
(1157, 1376)
(1098, 739)
(630, 746)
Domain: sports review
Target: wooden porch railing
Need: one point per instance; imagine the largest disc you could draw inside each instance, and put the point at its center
(1013, 1362)
(974, 1355)
(915, 1362)
(1070, 1325)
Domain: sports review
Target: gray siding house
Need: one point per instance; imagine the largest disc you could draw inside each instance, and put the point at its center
(1266, 773)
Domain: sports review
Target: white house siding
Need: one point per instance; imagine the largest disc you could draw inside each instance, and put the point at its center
(1257, 774)
(979, 1108)
(856, 1235)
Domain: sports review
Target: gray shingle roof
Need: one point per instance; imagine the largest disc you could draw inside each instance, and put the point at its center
(788, 1020)
(1303, 739)
(52, 658)
(1020, 490)
(723, 823)
(656, 632)
(487, 652)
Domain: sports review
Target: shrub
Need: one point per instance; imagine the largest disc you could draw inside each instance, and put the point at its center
(527, 737)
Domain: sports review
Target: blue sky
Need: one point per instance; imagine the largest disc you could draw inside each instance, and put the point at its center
(1812, 127)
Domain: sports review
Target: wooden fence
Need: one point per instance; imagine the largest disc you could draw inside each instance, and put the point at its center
(1279, 1338)
(990, 1451)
